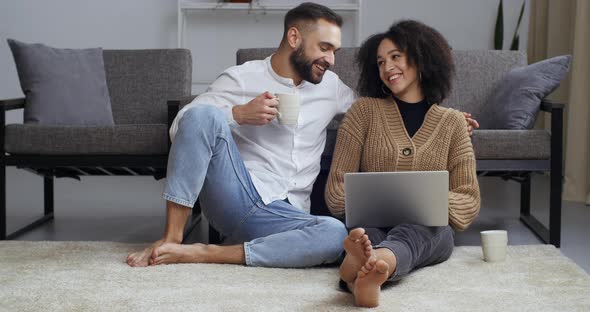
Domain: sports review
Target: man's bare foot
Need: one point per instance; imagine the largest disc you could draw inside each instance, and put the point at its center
(141, 258)
(367, 286)
(170, 253)
(358, 251)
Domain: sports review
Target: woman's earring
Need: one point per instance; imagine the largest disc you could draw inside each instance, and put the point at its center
(420, 76)
(386, 91)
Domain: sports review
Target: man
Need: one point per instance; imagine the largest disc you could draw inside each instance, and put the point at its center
(253, 176)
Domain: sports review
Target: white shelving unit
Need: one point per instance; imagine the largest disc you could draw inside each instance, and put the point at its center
(185, 7)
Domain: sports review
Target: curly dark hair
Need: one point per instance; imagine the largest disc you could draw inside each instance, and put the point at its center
(424, 47)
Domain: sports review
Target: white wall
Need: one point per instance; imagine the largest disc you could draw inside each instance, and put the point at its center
(467, 24)
(134, 24)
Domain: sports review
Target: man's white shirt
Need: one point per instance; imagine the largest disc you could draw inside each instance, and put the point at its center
(283, 161)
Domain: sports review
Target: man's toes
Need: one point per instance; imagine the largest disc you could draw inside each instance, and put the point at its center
(132, 259)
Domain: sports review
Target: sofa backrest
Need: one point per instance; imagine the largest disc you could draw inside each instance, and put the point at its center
(476, 73)
(141, 81)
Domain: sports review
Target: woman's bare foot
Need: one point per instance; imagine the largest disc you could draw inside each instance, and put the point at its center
(141, 258)
(367, 286)
(358, 251)
(170, 253)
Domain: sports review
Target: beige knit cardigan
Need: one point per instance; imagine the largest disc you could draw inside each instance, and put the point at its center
(372, 138)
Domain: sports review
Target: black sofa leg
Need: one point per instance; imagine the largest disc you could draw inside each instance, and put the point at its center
(47, 209)
(543, 232)
(3, 218)
(48, 195)
(555, 210)
(556, 178)
(551, 234)
(525, 196)
(555, 202)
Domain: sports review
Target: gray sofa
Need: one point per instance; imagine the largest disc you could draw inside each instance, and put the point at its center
(510, 154)
(140, 82)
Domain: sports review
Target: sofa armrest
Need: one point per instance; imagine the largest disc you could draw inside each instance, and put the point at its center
(556, 110)
(173, 107)
(10, 104)
(548, 106)
(5, 105)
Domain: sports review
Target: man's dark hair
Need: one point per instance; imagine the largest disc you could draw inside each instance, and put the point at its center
(309, 12)
(425, 48)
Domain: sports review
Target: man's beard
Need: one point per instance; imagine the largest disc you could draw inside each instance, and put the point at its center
(303, 66)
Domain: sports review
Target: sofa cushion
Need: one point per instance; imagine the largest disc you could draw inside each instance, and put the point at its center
(141, 81)
(62, 86)
(511, 144)
(516, 99)
(138, 139)
(476, 73)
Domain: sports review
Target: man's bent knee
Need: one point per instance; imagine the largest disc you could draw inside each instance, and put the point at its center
(203, 114)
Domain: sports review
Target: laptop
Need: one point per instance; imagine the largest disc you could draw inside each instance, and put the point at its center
(387, 199)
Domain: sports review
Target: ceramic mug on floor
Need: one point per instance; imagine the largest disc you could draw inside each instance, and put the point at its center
(288, 108)
(493, 245)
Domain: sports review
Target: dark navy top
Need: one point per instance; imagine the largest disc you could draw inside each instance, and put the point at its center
(413, 114)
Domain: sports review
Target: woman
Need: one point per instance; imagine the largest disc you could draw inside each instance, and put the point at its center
(398, 125)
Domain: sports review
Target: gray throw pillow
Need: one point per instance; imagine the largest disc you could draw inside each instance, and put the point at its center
(62, 86)
(516, 99)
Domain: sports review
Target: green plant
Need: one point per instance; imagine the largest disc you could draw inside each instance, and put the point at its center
(499, 29)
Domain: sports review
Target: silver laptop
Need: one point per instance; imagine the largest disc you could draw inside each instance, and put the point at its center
(387, 199)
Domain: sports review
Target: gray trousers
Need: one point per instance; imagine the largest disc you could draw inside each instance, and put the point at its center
(414, 246)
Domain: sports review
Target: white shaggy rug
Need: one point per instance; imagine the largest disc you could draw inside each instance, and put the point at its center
(92, 276)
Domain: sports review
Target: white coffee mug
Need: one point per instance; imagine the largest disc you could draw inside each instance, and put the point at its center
(493, 245)
(288, 108)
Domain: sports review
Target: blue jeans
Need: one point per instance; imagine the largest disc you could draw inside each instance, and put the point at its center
(204, 162)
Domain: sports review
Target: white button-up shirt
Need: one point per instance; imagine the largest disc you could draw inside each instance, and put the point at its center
(283, 161)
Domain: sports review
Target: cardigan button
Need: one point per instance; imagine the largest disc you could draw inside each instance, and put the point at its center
(407, 151)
